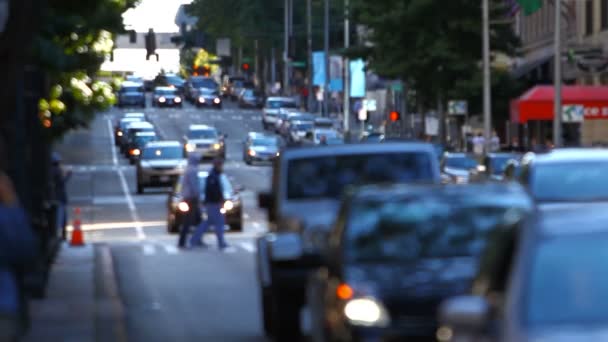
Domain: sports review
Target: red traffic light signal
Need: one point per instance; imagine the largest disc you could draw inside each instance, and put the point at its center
(394, 116)
(245, 66)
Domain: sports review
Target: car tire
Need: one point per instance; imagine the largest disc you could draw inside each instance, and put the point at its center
(267, 313)
(237, 227)
(286, 313)
(247, 161)
(172, 227)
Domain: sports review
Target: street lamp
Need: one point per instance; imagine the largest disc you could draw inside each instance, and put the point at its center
(4, 11)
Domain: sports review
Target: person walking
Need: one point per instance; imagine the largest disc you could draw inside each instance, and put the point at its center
(214, 202)
(59, 179)
(479, 143)
(190, 194)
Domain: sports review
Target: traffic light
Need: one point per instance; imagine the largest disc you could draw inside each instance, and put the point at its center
(245, 67)
(394, 116)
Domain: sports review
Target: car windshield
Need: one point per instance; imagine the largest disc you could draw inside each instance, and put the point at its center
(174, 80)
(304, 126)
(269, 141)
(132, 89)
(327, 176)
(328, 135)
(209, 91)
(335, 141)
(226, 185)
(570, 182)
(465, 163)
(276, 104)
(419, 227)
(324, 124)
(151, 153)
(143, 140)
(499, 163)
(204, 83)
(568, 283)
(125, 122)
(203, 134)
(165, 91)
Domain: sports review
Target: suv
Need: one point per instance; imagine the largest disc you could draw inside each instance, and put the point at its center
(195, 83)
(160, 164)
(206, 141)
(307, 184)
(272, 107)
(131, 94)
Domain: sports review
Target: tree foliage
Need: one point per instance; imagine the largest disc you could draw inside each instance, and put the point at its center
(74, 39)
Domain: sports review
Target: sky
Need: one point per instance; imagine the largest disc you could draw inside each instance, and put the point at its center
(156, 14)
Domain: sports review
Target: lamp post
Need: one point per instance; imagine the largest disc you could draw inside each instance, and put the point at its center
(487, 104)
(346, 68)
(557, 119)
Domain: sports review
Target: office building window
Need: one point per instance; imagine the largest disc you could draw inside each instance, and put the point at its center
(589, 17)
(604, 12)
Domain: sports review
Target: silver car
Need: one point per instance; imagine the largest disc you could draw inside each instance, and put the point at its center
(206, 141)
(272, 107)
(160, 164)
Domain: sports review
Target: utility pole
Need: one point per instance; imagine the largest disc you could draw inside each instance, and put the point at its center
(346, 67)
(309, 51)
(487, 104)
(286, 52)
(326, 49)
(557, 119)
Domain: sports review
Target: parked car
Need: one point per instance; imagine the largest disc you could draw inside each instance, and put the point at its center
(396, 252)
(311, 180)
(166, 97)
(131, 94)
(232, 207)
(160, 164)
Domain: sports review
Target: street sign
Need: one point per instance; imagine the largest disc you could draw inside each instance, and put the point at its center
(573, 113)
(223, 47)
(397, 86)
(370, 105)
(458, 107)
(298, 64)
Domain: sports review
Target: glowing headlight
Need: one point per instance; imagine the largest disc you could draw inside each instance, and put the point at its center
(201, 100)
(162, 99)
(228, 205)
(190, 147)
(178, 100)
(119, 133)
(216, 100)
(183, 207)
(135, 152)
(278, 154)
(366, 312)
(252, 153)
(481, 168)
(216, 146)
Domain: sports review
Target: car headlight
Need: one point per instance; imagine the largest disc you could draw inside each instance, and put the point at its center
(183, 207)
(217, 100)
(366, 311)
(135, 152)
(119, 133)
(228, 205)
(162, 99)
(178, 100)
(252, 153)
(190, 147)
(216, 146)
(278, 154)
(201, 99)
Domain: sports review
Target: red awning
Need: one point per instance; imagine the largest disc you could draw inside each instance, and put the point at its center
(537, 103)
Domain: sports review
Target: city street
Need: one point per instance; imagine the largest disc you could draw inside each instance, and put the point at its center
(170, 294)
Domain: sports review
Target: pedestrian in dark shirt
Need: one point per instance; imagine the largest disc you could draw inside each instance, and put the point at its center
(59, 179)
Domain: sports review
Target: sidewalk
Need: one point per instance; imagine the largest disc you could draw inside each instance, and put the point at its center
(81, 302)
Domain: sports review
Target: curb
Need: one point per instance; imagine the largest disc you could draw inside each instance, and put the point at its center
(110, 323)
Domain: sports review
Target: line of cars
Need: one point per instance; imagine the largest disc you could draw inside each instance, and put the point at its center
(366, 241)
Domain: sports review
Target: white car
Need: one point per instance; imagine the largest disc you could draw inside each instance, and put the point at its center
(272, 107)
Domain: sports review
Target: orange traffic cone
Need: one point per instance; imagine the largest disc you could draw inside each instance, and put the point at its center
(77, 235)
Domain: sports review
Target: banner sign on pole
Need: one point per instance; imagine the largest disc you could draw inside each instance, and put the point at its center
(223, 47)
(357, 80)
(318, 62)
(458, 107)
(336, 83)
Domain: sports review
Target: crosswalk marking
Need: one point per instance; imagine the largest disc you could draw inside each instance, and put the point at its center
(149, 249)
(248, 246)
(170, 249)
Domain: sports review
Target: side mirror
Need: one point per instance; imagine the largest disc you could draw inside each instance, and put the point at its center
(465, 312)
(285, 246)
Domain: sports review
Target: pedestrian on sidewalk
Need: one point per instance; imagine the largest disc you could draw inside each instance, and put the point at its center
(214, 203)
(59, 179)
(18, 250)
(191, 194)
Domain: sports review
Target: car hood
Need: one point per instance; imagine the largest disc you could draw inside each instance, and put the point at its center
(166, 96)
(456, 172)
(203, 141)
(164, 162)
(422, 278)
(325, 212)
(563, 334)
(559, 206)
(271, 111)
(265, 149)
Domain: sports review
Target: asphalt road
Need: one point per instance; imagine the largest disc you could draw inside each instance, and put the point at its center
(170, 294)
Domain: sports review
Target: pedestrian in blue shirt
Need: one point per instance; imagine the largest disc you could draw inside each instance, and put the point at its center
(191, 194)
(214, 202)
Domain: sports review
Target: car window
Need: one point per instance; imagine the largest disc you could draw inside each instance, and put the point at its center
(165, 91)
(276, 104)
(152, 153)
(304, 126)
(132, 89)
(461, 162)
(203, 134)
(174, 80)
(204, 83)
(327, 176)
(568, 283)
(581, 181)
(142, 140)
(499, 164)
(226, 185)
(270, 141)
(418, 227)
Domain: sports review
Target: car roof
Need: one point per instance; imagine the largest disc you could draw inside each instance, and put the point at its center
(562, 155)
(130, 84)
(503, 154)
(322, 119)
(458, 154)
(134, 115)
(140, 124)
(164, 88)
(197, 127)
(131, 119)
(145, 134)
(573, 219)
(491, 193)
(260, 135)
(273, 98)
(355, 149)
(164, 143)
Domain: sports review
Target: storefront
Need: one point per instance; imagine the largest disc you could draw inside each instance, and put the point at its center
(585, 114)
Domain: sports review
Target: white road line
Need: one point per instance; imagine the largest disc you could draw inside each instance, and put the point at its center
(125, 188)
(256, 225)
(230, 250)
(170, 249)
(246, 216)
(248, 246)
(149, 249)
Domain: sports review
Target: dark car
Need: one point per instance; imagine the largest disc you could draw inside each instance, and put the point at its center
(397, 251)
(233, 82)
(307, 186)
(237, 87)
(170, 80)
(130, 130)
(160, 164)
(193, 86)
(232, 208)
(166, 97)
(131, 94)
(137, 143)
(251, 98)
(261, 147)
(120, 124)
(208, 97)
(493, 166)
